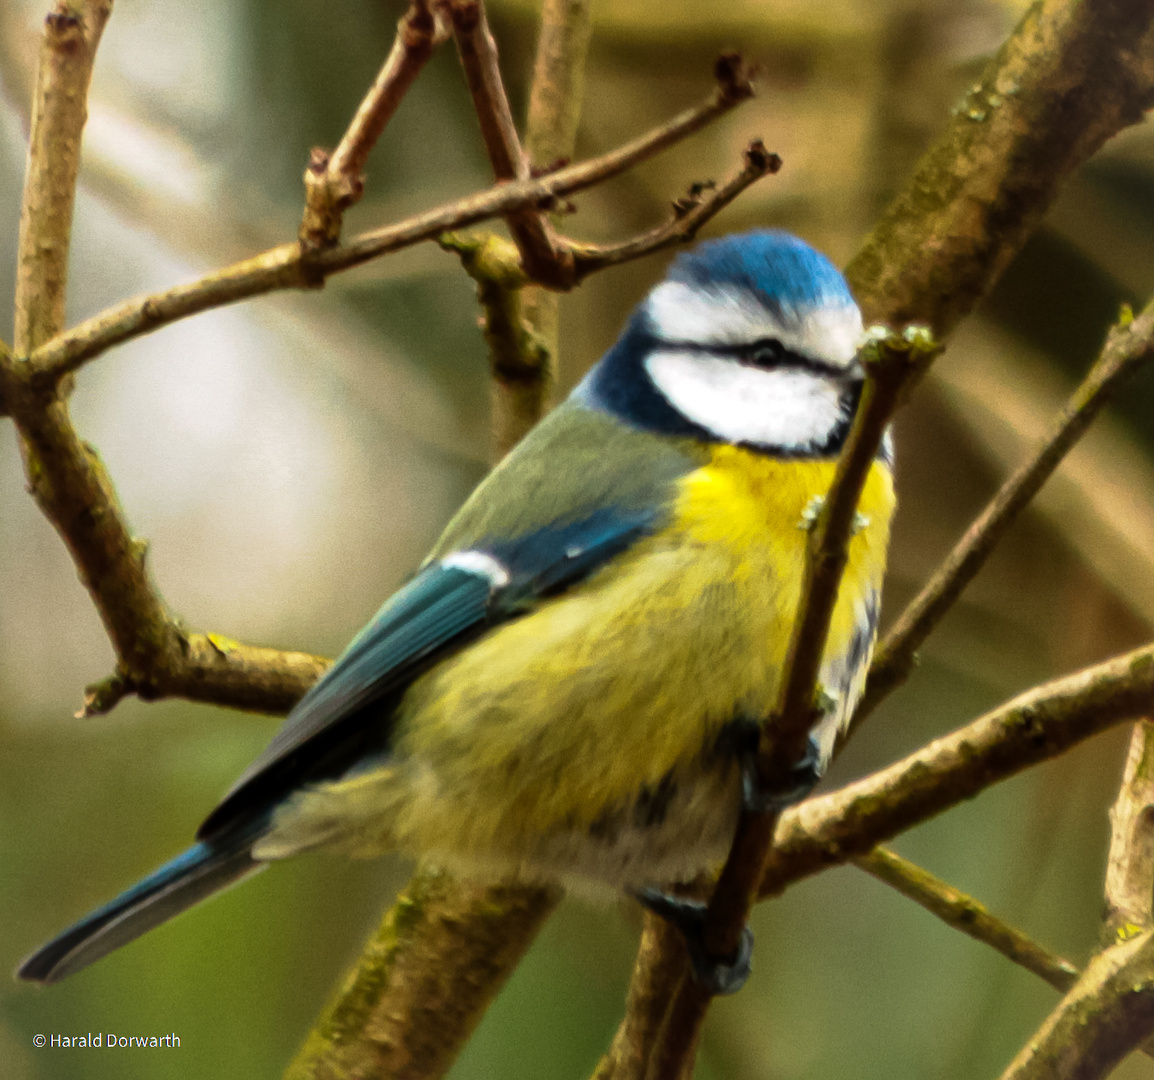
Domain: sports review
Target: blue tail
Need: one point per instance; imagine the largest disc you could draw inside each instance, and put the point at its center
(202, 870)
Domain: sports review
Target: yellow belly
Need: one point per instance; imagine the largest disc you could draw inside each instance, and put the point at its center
(581, 737)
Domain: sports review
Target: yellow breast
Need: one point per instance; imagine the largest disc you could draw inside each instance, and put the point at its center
(621, 679)
(623, 684)
(758, 510)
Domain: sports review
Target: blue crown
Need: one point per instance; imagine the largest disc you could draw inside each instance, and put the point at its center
(781, 270)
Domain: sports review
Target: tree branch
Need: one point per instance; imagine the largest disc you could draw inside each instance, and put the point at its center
(1106, 1015)
(968, 915)
(1129, 345)
(658, 968)
(555, 99)
(336, 181)
(283, 267)
(441, 955)
(59, 111)
(1130, 867)
(544, 258)
(891, 363)
(1073, 74)
(558, 88)
(519, 358)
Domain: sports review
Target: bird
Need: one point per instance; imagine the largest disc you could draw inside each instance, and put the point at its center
(571, 687)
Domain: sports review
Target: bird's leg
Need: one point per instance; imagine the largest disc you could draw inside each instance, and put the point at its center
(804, 776)
(725, 976)
(728, 975)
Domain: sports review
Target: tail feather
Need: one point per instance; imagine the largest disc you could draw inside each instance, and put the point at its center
(202, 870)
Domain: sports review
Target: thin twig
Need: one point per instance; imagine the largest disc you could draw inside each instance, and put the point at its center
(558, 88)
(892, 362)
(968, 915)
(478, 52)
(336, 181)
(545, 260)
(973, 918)
(65, 479)
(893, 365)
(283, 267)
(1129, 346)
(694, 209)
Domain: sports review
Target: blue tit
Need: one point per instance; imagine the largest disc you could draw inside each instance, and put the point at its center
(571, 686)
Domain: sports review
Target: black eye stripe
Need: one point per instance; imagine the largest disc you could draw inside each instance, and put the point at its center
(767, 354)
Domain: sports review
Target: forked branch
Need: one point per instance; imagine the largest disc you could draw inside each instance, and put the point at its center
(282, 267)
(335, 181)
(545, 259)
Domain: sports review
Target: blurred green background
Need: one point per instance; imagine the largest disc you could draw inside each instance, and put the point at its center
(290, 460)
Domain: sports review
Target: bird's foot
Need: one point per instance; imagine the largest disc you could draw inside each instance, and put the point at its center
(803, 779)
(717, 976)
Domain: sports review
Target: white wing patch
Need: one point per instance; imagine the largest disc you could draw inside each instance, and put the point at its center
(784, 407)
(686, 314)
(480, 563)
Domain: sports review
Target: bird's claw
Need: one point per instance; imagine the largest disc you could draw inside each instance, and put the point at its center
(719, 977)
(803, 776)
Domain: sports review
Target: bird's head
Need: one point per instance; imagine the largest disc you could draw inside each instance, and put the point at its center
(750, 339)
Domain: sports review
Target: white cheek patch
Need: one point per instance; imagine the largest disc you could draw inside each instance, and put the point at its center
(785, 407)
(727, 316)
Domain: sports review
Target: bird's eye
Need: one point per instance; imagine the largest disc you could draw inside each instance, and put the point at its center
(765, 354)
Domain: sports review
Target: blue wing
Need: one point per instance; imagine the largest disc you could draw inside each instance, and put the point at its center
(564, 522)
(346, 715)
